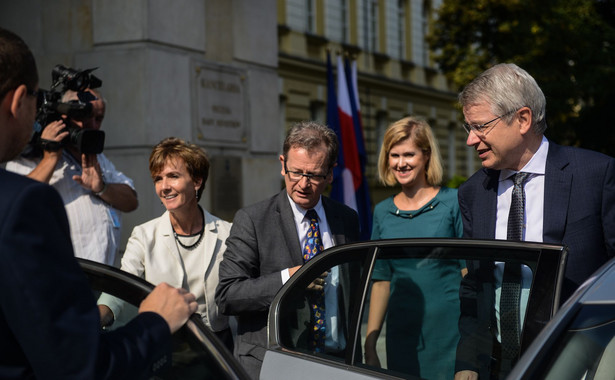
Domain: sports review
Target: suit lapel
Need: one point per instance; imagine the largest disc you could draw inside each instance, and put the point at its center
(210, 240)
(558, 182)
(166, 235)
(289, 230)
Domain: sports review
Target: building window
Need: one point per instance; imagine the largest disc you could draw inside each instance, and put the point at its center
(337, 22)
(310, 14)
(401, 28)
(370, 25)
(425, 31)
(318, 111)
(345, 22)
(373, 12)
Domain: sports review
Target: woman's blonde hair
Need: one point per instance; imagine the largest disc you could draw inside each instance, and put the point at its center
(422, 136)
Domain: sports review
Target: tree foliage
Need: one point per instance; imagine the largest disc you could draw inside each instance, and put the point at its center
(568, 46)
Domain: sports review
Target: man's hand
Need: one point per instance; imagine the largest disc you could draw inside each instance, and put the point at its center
(91, 174)
(44, 170)
(56, 132)
(175, 305)
(319, 282)
(293, 270)
(106, 315)
(466, 375)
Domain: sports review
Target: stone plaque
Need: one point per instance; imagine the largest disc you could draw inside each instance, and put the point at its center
(220, 104)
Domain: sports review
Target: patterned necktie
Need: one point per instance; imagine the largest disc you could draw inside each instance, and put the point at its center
(511, 282)
(313, 246)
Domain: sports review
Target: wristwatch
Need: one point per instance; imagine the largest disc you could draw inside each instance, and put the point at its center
(100, 193)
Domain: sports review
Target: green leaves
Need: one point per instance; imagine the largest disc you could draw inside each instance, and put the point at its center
(567, 45)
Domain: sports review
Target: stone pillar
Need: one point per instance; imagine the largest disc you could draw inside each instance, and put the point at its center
(202, 70)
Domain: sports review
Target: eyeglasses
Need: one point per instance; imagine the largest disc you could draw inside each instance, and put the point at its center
(480, 129)
(312, 178)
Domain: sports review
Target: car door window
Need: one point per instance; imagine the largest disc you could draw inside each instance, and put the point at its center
(418, 281)
(342, 284)
(410, 324)
(196, 352)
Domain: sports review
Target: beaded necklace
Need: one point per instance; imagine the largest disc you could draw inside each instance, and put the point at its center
(201, 233)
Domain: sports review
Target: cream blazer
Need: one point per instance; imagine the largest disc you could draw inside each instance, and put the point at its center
(152, 254)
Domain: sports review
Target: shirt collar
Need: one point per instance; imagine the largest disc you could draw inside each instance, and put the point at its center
(536, 164)
(299, 212)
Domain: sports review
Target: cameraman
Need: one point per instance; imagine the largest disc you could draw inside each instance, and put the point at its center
(94, 192)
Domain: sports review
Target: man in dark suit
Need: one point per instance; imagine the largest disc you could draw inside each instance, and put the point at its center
(569, 197)
(49, 322)
(265, 244)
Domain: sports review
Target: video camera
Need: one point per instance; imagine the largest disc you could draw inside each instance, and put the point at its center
(51, 108)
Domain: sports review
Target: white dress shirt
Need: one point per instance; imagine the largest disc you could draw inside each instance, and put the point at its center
(94, 224)
(334, 339)
(533, 220)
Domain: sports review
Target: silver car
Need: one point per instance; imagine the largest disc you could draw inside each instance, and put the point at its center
(199, 355)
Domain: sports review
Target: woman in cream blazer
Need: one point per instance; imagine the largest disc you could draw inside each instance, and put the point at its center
(185, 245)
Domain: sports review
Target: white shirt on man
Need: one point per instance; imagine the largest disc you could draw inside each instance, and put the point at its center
(334, 339)
(94, 224)
(533, 224)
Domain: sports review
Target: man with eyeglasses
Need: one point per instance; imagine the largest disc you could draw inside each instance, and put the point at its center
(49, 322)
(267, 239)
(562, 195)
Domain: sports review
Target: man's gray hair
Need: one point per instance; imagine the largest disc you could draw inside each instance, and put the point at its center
(506, 88)
(309, 135)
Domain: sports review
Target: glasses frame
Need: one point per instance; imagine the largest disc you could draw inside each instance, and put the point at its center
(479, 129)
(311, 178)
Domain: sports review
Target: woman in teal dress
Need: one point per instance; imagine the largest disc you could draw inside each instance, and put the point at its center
(420, 298)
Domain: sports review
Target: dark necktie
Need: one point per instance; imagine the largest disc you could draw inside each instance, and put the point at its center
(314, 246)
(511, 281)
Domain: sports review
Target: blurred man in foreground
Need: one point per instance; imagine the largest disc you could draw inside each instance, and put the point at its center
(49, 322)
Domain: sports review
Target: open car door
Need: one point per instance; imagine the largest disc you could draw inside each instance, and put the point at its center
(356, 267)
(196, 353)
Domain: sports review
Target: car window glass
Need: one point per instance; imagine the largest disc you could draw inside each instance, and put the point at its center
(411, 321)
(124, 311)
(410, 325)
(416, 331)
(191, 359)
(299, 316)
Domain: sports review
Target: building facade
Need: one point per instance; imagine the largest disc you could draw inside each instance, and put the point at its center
(396, 76)
(233, 75)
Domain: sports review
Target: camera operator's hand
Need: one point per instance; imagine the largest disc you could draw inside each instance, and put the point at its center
(119, 195)
(53, 132)
(91, 176)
